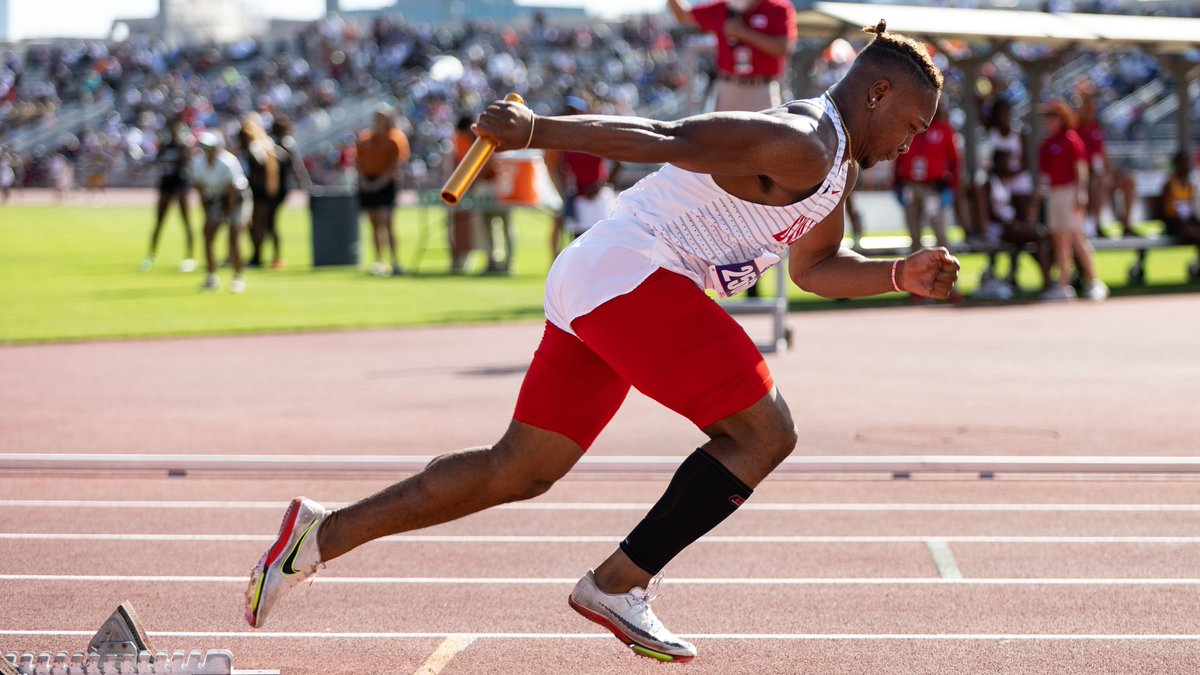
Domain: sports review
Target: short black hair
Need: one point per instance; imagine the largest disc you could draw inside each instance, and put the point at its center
(900, 49)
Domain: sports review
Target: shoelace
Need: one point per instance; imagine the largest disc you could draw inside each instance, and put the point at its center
(650, 594)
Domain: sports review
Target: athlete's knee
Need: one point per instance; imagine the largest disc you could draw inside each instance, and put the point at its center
(780, 439)
(769, 432)
(516, 479)
(527, 464)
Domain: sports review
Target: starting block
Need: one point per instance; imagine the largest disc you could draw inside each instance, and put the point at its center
(122, 647)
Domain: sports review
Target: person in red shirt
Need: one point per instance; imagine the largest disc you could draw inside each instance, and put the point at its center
(1104, 179)
(754, 38)
(1062, 159)
(927, 176)
(585, 183)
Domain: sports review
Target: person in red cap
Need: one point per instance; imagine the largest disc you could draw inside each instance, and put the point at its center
(1062, 159)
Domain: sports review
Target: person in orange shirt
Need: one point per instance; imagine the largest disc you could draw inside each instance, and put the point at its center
(483, 211)
(381, 151)
(462, 220)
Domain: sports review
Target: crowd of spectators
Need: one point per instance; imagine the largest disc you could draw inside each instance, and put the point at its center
(432, 73)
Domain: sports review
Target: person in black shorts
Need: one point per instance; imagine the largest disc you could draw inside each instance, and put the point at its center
(173, 158)
(291, 164)
(256, 152)
(381, 153)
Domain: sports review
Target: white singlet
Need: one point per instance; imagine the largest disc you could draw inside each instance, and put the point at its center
(1020, 182)
(683, 222)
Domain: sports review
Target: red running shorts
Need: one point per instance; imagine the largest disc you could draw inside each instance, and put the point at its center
(665, 337)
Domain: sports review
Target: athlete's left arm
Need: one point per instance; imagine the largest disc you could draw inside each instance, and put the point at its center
(819, 264)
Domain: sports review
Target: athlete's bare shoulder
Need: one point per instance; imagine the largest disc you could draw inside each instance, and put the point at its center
(804, 149)
(808, 116)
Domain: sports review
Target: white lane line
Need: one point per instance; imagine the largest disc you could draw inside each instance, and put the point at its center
(947, 566)
(258, 635)
(631, 506)
(609, 539)
(680, 581)
(444, 654)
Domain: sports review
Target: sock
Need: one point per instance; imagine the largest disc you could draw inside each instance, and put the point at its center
(701, 495)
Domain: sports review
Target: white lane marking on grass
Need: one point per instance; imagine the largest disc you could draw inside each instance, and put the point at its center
(634, 506)
(947, 566)
(259, 635)
(444, 654)
(682, 581)
(608, 539)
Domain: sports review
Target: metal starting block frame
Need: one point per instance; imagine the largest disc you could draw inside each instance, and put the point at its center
(122, 647)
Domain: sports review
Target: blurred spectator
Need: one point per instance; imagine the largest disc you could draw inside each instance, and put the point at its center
(585, 183)
(1179, 205)
(260, 160)
(1009, 163)
(461, 219)
(225, 194)
(8, 174)
(481, 216)
(1104, 183)
(1062, 160)
(173, 159)
(1008, 223)
(96, 163)
(291, 166)
(62, 174)
(381, 153)
(927, 176)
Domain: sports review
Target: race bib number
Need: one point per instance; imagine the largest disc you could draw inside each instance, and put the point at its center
(731, 279)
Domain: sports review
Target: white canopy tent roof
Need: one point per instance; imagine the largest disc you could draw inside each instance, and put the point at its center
(846, 19)
(1176, 41)
(1157, 33)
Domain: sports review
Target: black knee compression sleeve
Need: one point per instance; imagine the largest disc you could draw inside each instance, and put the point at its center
(701, 494)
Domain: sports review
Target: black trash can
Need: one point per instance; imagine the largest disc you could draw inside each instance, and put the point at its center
(335, 231)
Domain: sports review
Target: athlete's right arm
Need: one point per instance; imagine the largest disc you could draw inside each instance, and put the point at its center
(728, 143)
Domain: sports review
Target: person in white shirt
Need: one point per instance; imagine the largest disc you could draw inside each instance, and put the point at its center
(225, 194)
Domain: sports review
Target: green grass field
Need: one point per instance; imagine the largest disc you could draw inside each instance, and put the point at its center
(71, 273)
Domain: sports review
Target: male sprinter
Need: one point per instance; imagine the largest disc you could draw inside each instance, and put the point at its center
(626, 306)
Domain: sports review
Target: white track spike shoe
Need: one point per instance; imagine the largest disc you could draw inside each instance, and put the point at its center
(291, 559)
(630, 618)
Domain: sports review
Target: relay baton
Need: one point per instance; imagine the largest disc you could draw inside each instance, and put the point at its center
(472, 163)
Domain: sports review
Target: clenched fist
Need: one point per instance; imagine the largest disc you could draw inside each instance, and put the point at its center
(507, 123)
(929, 272)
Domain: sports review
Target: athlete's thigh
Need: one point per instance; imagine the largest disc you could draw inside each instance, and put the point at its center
(674, 344)
(568, 389)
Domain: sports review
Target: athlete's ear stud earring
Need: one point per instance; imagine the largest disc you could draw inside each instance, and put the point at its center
(871, 104)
